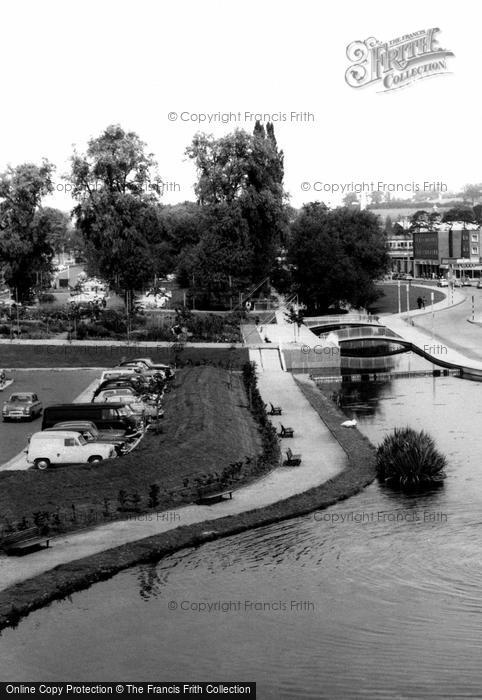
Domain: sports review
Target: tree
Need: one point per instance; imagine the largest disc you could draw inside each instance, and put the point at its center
(420, 219)
(388, 225)
(478, 213)
(117, 187)
(376, 197)
(336, 255)
(350, 199)
(218, 267)
(463, 214)
(472, 193)
(60, 230)
(247, 170)
(25, 247)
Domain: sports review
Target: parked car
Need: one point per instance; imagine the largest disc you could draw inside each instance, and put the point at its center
(442, 283)
(140, 406)
(65, 447)
(137, 384)
(116, 416)
(457, 283)
(22, 406)
(150, 365)
(479, 284)
(91, 433)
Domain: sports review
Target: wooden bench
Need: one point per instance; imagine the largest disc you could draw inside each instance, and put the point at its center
(292, 460)
(208, 496)
(275, 410)
(286, 432)
(24, 540)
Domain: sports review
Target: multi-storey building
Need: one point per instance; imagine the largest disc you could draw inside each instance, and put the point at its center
(400, 251)
(449, 249)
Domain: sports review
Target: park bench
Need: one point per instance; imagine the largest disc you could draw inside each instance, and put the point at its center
(285, 432)
(212, 494)
(275, 410)
(23, 541)
(292, 460)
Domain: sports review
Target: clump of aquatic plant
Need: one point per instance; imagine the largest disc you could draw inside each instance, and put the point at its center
(408, 459)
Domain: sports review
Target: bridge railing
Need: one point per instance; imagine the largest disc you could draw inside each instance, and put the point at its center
(340, 319)
(362, 332)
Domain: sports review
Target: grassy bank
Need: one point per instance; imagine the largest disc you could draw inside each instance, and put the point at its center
(105, 355)
(19, 600)
(207, 427)
(388, 303)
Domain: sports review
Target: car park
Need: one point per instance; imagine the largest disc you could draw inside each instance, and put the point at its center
(65, 447)
(23, 405)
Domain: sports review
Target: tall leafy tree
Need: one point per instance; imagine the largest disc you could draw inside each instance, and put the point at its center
(246, 169)
(117, 187)
(336, 256)
(25, 244)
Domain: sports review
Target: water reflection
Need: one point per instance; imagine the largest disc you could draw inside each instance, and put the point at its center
(395, 581)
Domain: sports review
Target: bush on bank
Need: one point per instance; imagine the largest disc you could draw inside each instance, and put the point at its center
(408, 459)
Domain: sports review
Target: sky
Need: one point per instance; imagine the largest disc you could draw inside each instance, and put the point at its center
(69, 69)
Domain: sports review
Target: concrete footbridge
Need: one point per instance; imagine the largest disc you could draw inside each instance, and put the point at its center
(340, 321)
(397, 331)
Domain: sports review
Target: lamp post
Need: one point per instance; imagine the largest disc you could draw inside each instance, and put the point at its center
(432, 296)
(16, 307)
(399, 298)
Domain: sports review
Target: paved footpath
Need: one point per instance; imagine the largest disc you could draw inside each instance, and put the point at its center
(322, 459)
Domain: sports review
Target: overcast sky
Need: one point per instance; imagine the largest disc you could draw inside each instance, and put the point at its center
(71, 68)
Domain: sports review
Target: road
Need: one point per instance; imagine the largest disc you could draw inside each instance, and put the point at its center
(451, 326)
(52, 387)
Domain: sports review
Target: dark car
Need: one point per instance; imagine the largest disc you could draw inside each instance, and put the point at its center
(148, 364)
(115, 416)
(110, 436)
(138, 387)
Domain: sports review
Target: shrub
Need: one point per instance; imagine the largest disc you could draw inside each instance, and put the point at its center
(409, 460)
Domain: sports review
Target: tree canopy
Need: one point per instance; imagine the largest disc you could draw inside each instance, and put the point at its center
(25, 229)
(245, 170)
(117, 187)
(335, 256)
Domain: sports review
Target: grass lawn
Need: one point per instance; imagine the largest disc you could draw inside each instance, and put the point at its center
(388, 303)
(206, 427)
(110, 355)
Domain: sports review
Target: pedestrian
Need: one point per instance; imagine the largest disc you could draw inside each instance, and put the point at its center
(419, 302)
(423, 302)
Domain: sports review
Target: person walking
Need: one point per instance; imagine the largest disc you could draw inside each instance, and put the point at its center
(419, 302)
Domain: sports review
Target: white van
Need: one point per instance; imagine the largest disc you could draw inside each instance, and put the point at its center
(65, 447)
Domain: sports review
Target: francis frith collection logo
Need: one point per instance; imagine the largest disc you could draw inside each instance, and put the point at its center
(396, 63)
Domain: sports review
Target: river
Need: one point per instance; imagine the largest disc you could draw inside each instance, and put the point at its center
(379, 596)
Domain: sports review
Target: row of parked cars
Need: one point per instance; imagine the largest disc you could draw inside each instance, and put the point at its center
(127, 398)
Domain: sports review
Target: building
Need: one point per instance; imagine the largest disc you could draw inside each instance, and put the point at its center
(400, 251)
(449, 249)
